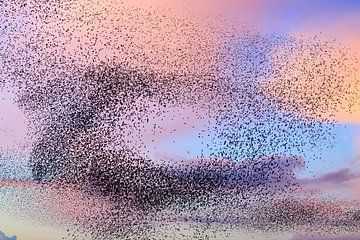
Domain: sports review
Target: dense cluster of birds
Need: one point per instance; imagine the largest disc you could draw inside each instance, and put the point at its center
(95, 82)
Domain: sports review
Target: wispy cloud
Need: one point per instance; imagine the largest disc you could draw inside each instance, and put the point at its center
(335, 178)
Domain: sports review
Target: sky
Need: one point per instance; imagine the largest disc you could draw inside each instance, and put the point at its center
(334, 21)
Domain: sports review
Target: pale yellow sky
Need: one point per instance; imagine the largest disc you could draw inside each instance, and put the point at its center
(25, 230)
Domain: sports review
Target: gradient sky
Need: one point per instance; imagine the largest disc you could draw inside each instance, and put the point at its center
(329, 20)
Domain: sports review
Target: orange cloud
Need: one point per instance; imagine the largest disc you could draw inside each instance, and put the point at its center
(346, 33)
(317, 79)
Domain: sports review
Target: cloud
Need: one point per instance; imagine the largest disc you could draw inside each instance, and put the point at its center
(306, 81)
(333, 178)
(4, 237)
(345, 30)
(343, 183)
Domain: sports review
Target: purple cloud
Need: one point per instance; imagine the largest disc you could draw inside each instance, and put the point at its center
(333, 178)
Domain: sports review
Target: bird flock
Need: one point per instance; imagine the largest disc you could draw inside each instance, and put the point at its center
(100, 83)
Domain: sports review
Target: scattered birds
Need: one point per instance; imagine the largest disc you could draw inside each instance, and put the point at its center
(98, 81)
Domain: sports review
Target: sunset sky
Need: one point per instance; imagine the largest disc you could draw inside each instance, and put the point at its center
(334, 170)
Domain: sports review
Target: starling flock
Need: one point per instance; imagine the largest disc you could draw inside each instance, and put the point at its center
(96, 80)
